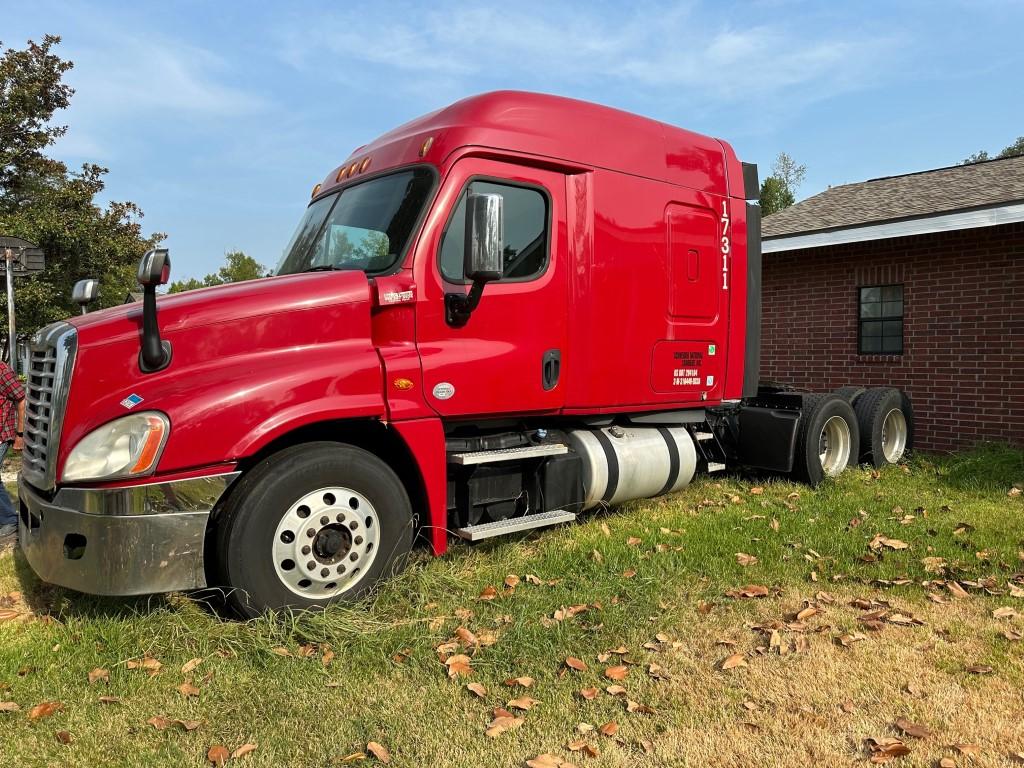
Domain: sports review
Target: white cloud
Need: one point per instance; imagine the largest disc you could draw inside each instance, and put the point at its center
(679, 50)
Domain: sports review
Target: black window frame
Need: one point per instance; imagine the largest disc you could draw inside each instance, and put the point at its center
(545, 194)
(881, 318)
(417, 227)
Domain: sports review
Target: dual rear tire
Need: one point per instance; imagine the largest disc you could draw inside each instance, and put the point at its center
(827, 438)
(886, 421)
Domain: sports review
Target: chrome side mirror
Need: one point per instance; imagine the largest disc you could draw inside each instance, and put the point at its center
(85, 292)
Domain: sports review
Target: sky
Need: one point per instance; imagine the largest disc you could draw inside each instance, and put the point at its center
(218, 118)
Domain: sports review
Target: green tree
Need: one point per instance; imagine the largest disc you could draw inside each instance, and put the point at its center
(1016, 149)
(41, 200)
(237, 268)
(778, 191)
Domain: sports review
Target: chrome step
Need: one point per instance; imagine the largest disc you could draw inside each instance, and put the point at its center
(714, 466)
(515, 524)
(508, 454)
(703, 436)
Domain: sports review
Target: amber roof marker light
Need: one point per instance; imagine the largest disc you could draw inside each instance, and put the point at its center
(315, 190)
(426, 145)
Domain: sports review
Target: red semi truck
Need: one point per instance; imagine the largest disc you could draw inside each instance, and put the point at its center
(491, 319)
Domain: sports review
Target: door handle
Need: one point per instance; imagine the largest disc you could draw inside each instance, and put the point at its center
(551, 368)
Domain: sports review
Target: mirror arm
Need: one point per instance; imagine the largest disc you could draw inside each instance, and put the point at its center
(459, 306)
(155, 353)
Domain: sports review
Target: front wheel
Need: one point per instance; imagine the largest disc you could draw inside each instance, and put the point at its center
(311, 525)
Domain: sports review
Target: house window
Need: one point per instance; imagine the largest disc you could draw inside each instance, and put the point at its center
(880, 315)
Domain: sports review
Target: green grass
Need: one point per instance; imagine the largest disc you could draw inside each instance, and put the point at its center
(249, 693)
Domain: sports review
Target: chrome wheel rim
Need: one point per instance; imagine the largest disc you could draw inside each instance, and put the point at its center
(894, 435)
(834, 445)
(326, 542)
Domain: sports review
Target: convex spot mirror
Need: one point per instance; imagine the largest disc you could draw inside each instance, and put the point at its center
(155, 267)
(485, 237)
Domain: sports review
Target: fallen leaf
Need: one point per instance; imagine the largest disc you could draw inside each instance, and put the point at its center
(956, 590)
(615, 690)
(218, 755)
(522, 682)
(326, 657)
(748, 591)
(10, 706)
(806, 613)
(147, 663)
(970, 750)
(757, 490)
(736, 660)
(1004, 613)
(980, 669)
(511, 581)
(947, 762)
(44, 709)
(587, 693)
(353, 757)
(281, 651)
(573, 663)
(466, 637)
(847, 706)
(744, 559)
(190, 665)
(616, 673)
(880, 541)
(501, 724)
(609, 729)
(886, 748)
(110, 699)
(847, 640)
(523, 702)
(99, 674)
(64, 737)
(379, 751)
(1013, 635)
(458, 665)
(934, 564)
(633, 541)
(581, 746)
(186, 689)
(243, 750)
(632, 706)
(488, 593)
(477, 688)
(547, 760)
(629, 573)
(912, 729)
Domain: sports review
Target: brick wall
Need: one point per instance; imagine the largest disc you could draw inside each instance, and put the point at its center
(963, 360)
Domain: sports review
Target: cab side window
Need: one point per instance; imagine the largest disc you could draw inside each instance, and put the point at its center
(526, 232)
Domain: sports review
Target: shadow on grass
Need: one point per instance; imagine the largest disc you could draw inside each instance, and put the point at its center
(989, 467)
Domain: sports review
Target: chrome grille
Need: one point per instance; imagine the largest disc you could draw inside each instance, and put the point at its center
(51, 359)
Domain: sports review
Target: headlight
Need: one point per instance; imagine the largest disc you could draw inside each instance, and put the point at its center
(126, 447)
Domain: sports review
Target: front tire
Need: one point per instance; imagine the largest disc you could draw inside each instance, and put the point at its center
(311, 525)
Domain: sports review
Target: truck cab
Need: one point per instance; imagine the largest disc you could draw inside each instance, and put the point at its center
(490, 319)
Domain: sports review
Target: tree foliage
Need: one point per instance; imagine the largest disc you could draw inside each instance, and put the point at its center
(237, 268)
(42, 201)
(778, 191)
(1016, 149)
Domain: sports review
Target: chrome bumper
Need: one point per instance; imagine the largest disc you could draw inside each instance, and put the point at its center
(120, 541)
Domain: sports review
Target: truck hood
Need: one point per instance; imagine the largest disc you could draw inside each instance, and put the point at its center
(249, 362)
(225, 304)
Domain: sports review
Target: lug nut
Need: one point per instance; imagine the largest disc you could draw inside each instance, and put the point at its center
(359, 539)
(341, 517)
(325, 520)
(325, 572)
(353, 557)
(341, 568)
(306, 550)
(310, 532)
(311, 565)
(353, 525)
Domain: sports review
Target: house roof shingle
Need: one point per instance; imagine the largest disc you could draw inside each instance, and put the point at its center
(892, 198)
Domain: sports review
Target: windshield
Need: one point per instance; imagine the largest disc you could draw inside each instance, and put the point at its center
(365, 227)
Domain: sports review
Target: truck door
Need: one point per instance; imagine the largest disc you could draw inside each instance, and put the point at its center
(510, 356)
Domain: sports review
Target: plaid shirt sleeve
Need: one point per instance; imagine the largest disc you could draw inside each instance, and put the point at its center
(10, 387)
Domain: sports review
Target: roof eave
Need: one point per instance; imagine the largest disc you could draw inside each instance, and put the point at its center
(1004, 213)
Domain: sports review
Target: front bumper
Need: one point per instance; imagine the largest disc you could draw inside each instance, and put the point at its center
(120, 541)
